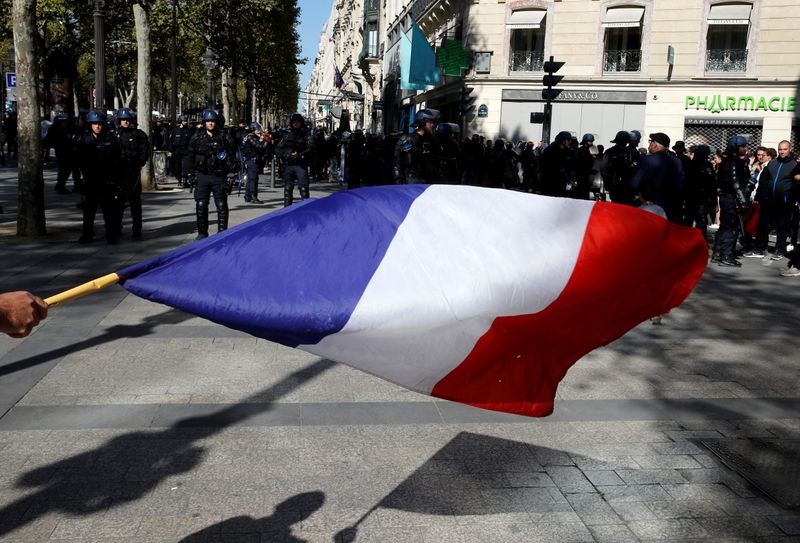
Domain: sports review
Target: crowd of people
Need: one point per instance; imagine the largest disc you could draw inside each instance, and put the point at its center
(745, 195)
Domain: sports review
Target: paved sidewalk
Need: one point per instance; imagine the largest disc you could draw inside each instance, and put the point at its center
(126, 421)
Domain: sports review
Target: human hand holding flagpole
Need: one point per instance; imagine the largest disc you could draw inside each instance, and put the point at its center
(82, 290)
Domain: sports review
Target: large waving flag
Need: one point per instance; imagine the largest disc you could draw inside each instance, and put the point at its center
(481, 296)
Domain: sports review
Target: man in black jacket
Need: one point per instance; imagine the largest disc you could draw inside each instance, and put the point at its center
(665, 172)
(135, 149)
(99, 155)
(211, 155)
(777, 196)
(295, 151)
(254, 154)
(617, 168)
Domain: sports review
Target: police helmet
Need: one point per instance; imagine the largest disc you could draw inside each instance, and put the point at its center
(424, 115)
(563, 136)
(95, 117)
(622, 138)
(737, 141)
(444, 130)
(635, 136)
(254, 127)
(587, 138)
(125, 114)
(183, 118)
(296, 117)
(210, 115)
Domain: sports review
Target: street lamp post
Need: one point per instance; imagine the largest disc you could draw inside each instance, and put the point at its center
(99, 55)
(90, 76)
(209, 61)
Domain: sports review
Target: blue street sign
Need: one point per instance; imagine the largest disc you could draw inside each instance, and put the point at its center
(11, 80)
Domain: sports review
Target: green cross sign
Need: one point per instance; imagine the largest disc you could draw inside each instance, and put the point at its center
(452, 57)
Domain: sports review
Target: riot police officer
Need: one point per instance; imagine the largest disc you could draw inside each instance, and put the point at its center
(732, 176)
(424, 157)
(211, 155)
(177, 142)
(135, 149)
(294, 150)
(618, 167)
(254, 153)
(98, 156)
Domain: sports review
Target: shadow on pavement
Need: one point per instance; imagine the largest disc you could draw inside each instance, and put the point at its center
(475, 474)
(143, 329)
(276, 527)
(127, 467)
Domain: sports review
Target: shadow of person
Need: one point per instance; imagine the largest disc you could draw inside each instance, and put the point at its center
(276, 527)
(129, 466)
(145, 328)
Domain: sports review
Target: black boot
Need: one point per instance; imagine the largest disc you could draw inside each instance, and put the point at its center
(304, 193)
(222, 213)
(288, 196)
(201, 208)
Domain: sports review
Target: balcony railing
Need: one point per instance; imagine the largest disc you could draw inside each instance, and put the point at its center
(527, 61)
(626, 60)
(726, 61)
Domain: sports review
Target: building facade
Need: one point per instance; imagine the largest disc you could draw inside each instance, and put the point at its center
(345, 80)
(699, 70)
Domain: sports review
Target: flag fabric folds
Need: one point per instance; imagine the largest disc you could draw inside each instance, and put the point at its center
(338, 80)
(476, 295)
(418, 69)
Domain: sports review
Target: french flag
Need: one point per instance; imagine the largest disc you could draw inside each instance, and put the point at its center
(480, 296)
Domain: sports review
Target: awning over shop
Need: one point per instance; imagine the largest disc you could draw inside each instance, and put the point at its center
(623, 17)
(529, 18)
(730, 14)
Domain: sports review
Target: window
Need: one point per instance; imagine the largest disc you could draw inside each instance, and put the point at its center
(623, 40)
(527, 40)
(371, 39)
(726, 41)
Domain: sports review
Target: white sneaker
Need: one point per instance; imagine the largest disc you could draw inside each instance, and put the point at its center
(791, 272)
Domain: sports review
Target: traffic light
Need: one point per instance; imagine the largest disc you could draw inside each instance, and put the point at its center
(548, 94)
(549, 81)
(466, 104)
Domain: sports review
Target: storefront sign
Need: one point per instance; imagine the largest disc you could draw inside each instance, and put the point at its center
(718, 121)
(483, 110)
(452, 57)
(718, 103)
(566, 95)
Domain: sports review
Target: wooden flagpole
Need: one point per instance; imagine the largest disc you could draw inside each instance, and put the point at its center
(82, 290)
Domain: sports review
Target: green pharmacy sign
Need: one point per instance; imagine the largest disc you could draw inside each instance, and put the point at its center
(452, 57)
(718, 103)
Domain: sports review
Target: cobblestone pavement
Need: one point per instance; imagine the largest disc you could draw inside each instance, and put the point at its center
(126, 421)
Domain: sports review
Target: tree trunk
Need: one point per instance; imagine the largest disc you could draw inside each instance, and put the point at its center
(226, 106)
(30, 191)
(143, 84)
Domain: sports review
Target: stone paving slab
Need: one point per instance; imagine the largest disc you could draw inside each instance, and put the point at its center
(126, 421)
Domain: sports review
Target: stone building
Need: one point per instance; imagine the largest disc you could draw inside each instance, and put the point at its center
(699, 70)
(349, 46)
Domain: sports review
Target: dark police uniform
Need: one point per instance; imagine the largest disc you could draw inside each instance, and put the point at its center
(732, 175)
(177, 143)
(98, 157)
(424, 158)
(294, 150)
(211, 157)
(254, 154)
(135, 150)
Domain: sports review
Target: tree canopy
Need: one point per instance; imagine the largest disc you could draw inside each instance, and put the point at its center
(255, 41)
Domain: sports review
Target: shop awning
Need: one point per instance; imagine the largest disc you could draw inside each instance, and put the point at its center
(529, 18)
(730, 14)
(623, 17)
